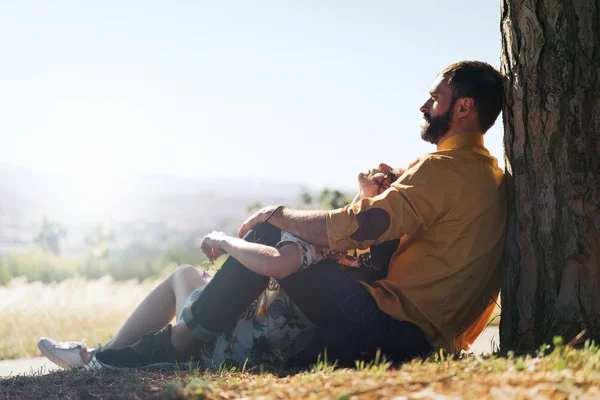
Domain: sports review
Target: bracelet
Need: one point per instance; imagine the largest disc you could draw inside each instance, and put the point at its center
(279, 208)
(391, 176)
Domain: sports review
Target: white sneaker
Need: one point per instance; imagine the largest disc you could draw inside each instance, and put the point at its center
(66, 354)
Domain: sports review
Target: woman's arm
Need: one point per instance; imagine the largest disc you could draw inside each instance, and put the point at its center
(264, 260)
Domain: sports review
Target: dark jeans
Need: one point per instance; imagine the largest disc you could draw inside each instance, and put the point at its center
(350, 324)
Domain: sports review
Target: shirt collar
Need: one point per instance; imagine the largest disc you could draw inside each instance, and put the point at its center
(471, 139)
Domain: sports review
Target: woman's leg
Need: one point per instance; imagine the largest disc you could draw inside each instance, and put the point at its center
(217, 309)
(159, 307)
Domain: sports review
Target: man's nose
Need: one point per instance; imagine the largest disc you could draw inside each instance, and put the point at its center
(425, 107)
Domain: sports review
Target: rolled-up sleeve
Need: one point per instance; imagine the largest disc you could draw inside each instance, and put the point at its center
(425, 191)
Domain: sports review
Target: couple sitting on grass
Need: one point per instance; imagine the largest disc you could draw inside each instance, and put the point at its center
(304, 282)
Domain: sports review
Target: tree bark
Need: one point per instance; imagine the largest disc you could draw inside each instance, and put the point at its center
(551, 57)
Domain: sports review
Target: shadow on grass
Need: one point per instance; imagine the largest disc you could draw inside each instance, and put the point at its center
(82, 384)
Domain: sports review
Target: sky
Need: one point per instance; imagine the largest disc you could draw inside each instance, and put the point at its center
(309, 91)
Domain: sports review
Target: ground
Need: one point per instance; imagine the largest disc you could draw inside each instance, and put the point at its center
(565, 373)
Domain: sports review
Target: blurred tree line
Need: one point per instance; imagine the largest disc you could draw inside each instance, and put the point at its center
(327, 199)
(50, 236)
(136, 261)
(101, 258)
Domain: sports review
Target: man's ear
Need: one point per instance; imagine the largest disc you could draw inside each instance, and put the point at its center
(465, 106)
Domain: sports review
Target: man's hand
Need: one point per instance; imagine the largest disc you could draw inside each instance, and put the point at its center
(212, 245)
(255, 219)
(376, 181)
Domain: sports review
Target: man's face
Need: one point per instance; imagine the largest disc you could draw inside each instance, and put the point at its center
(437, 111)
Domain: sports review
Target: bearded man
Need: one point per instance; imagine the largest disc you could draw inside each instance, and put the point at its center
(448, 210)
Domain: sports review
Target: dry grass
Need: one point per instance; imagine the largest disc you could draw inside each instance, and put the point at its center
(71, 310)
(563, 374)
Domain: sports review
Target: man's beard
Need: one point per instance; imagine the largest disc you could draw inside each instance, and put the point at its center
(436, 127)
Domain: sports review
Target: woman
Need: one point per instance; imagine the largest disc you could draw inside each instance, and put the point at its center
(271, 329)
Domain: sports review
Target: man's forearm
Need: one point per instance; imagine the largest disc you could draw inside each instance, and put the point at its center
(308, 225)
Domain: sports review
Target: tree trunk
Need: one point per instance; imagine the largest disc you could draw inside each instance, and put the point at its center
(551, 56)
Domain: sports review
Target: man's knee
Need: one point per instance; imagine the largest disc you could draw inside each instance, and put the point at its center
(264, 233)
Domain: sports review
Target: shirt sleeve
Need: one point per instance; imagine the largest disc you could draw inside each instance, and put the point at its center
(309, 254)
(415, 201)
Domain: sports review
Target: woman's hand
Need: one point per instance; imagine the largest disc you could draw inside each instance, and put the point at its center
(212, 245)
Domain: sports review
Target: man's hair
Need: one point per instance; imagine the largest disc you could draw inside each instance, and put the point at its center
(481, 82)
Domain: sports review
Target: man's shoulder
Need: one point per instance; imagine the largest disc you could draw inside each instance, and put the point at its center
(456, 170)
(433, 162)
(436, 171)
(454, 161)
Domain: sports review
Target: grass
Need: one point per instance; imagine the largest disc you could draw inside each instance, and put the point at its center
(70, 310)
(564, 373)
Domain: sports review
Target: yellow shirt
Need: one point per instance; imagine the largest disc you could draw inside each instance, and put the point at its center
(449, 209)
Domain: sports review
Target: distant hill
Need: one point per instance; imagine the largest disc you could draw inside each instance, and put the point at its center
(154, 209)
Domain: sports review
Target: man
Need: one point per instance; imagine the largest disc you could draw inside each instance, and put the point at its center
(448, 210)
